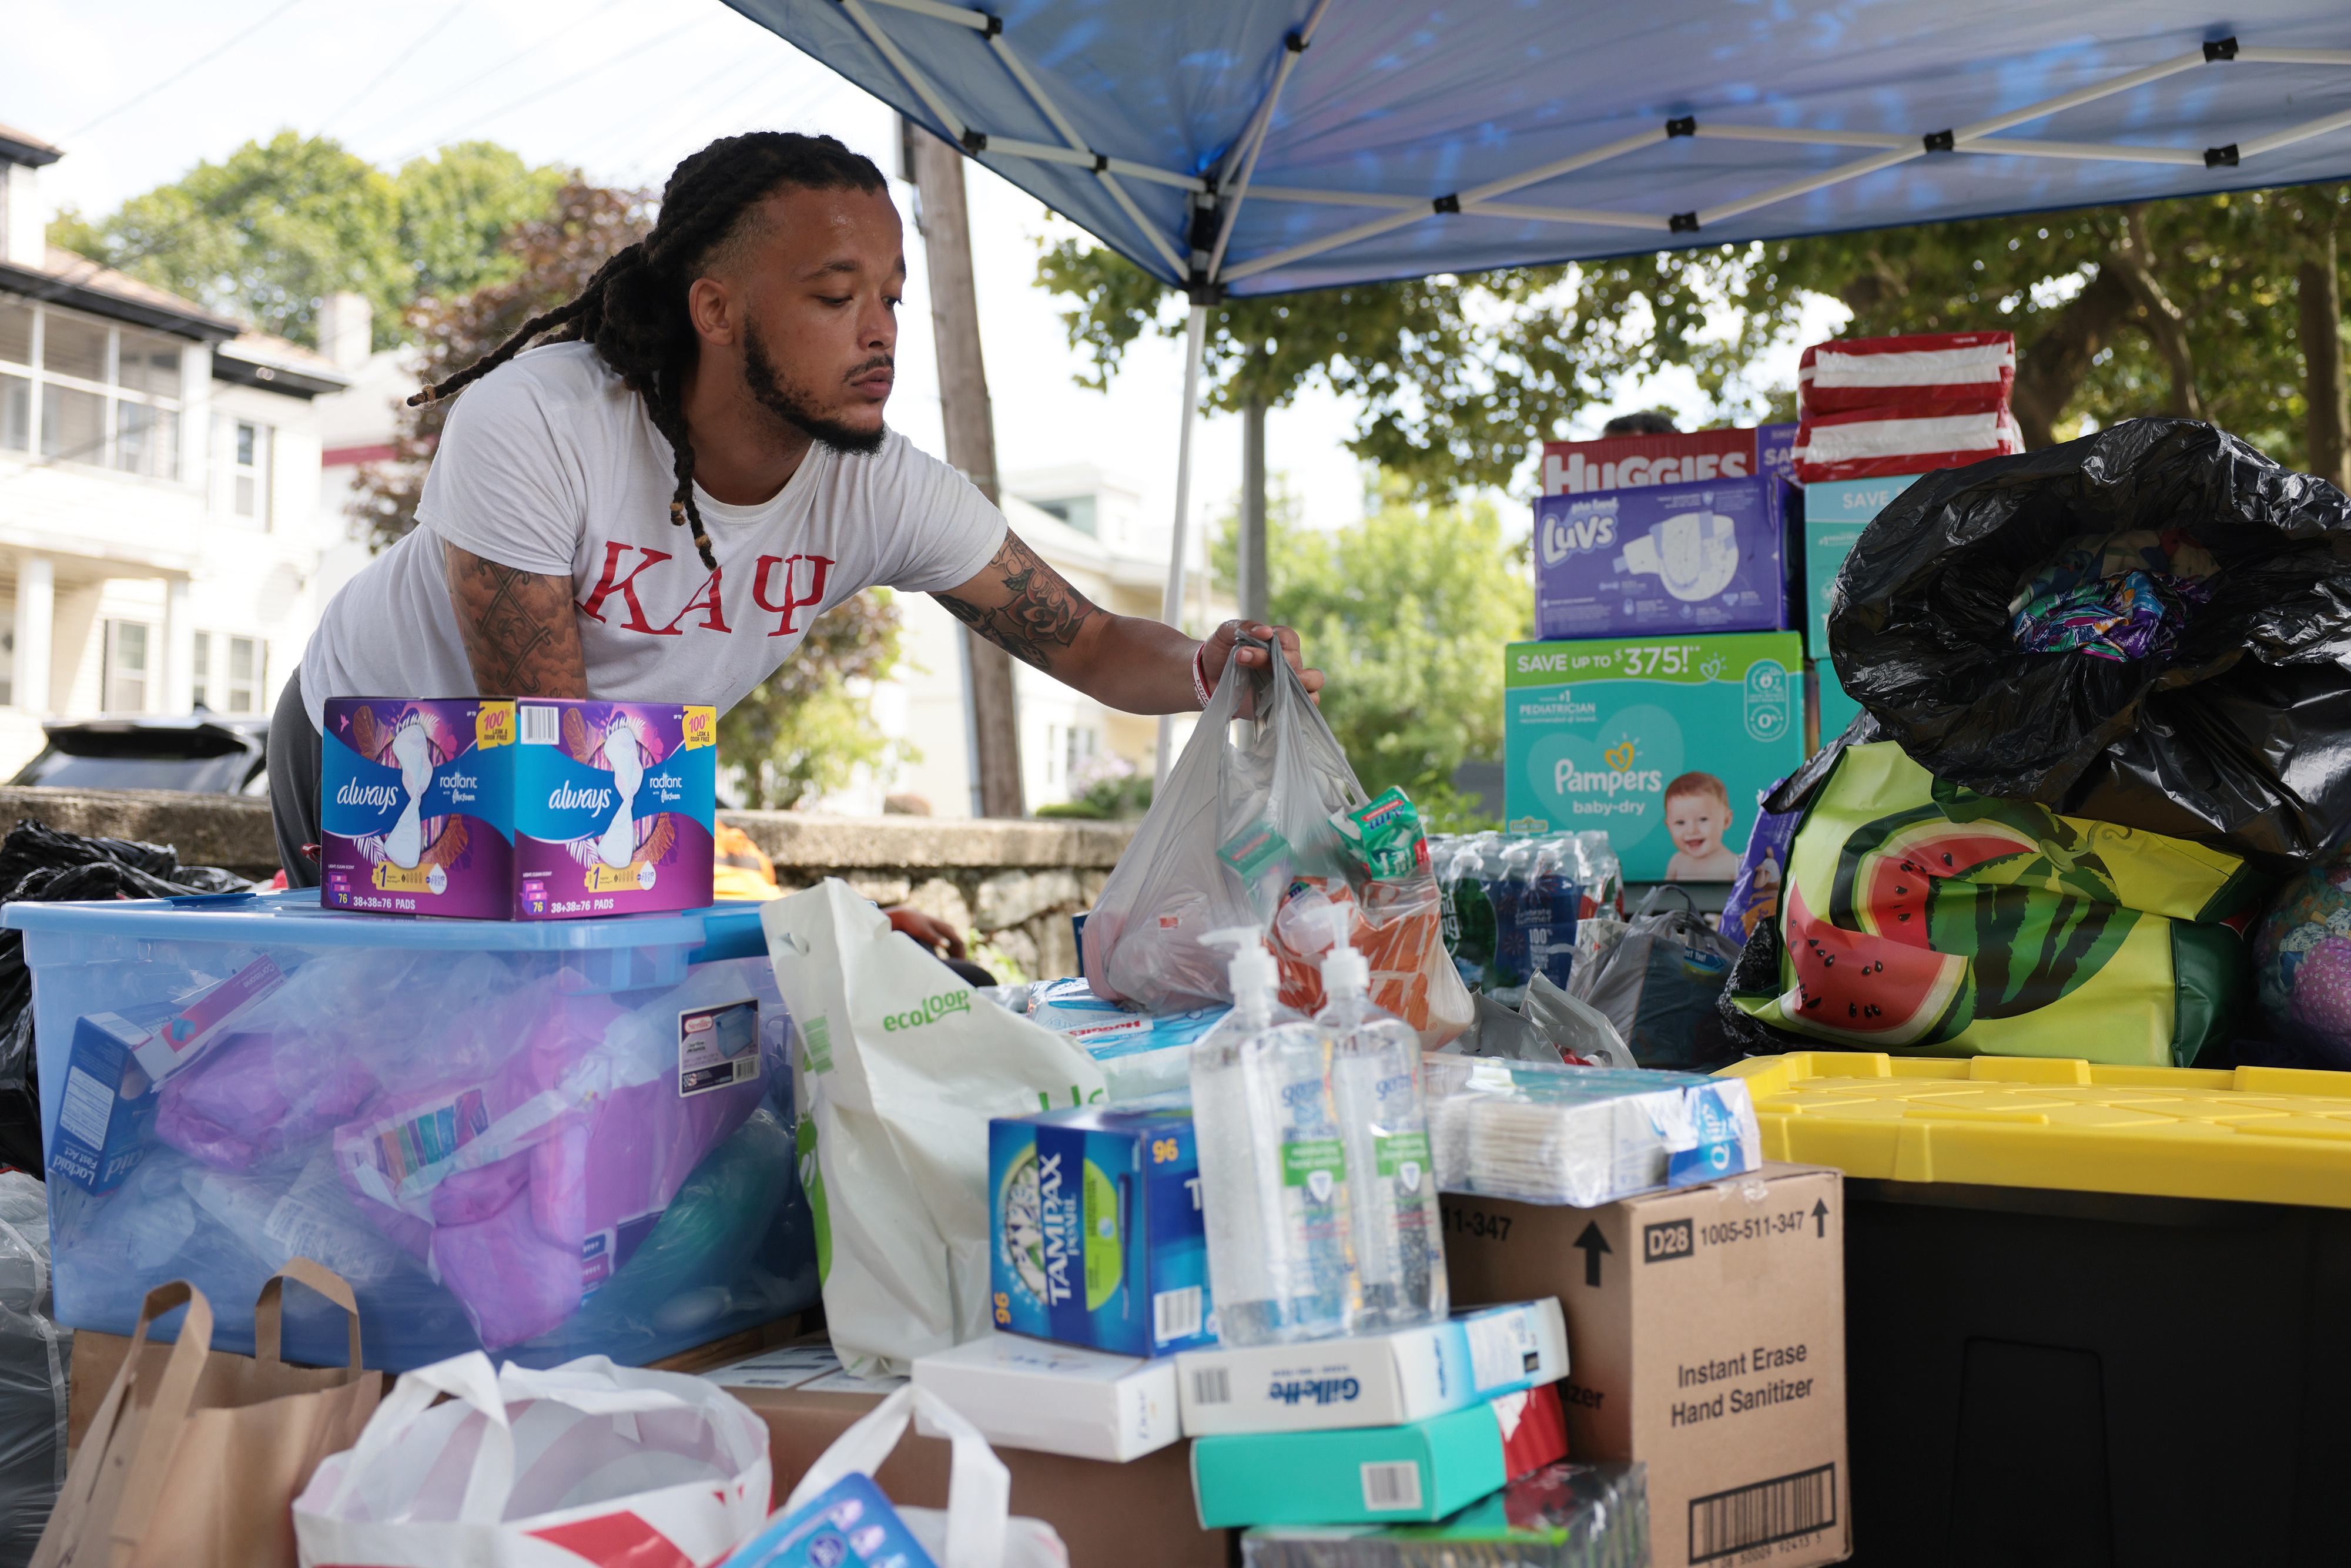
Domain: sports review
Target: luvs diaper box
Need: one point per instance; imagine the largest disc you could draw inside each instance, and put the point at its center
(1835, 515)
(1705, 557)
(1665, 743)
(492, 809)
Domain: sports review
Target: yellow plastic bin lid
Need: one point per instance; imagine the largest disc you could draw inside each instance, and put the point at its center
(2257, 1135)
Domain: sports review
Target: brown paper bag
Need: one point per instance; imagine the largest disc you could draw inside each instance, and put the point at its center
(195, 1458)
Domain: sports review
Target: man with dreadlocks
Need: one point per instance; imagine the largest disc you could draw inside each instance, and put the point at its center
(720, 381)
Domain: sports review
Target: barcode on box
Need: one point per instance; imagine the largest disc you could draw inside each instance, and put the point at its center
(1388, 1487)
(1175, 1314)
(87, 1105)
(538, 726)
(1212, 1386)
(1758, 1515)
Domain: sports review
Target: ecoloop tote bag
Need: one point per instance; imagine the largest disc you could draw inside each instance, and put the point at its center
(195, 1457)
(586, 1463)
(899, 1068)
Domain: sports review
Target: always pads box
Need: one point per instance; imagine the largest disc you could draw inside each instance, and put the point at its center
(1708, 1325)
(1056, 1399)
(1835, 515)
(1665, 744)
(1699, 558)
(1374, 1380)
(496, 810)
(1095, 1233)
(1682, 457)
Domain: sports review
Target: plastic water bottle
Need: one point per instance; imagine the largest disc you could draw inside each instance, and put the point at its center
(1274, 1188)
(1376, 1081)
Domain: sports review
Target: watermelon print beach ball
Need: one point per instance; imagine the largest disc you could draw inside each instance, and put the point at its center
(2302, 961)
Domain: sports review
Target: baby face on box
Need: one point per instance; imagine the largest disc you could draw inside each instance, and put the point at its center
(609, 798)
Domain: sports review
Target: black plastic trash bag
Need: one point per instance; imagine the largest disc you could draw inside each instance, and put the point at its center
(2235, 731)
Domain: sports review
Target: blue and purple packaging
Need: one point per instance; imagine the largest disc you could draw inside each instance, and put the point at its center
(1664, 559)
(490, 809)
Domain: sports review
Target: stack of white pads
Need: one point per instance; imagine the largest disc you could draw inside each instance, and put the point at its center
(1878, 408)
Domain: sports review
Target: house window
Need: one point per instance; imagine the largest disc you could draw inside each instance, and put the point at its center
(1078, 511)
(229, 671)
(250, 464)
(128, 645)
(98, 395)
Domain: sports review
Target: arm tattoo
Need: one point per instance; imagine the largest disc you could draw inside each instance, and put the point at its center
(518, 627)
(1040, 613)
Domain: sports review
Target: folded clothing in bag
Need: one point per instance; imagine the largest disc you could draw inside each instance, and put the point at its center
(1897, 439)
(1850, 373)
(1582, 1135)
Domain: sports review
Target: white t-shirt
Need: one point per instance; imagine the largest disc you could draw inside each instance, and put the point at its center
(550, 464)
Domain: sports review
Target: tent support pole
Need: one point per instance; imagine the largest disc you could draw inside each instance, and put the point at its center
(1171, 604)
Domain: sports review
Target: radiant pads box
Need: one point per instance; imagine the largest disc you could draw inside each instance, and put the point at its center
(1095, 1236)
(498, 809)
(1665, 744)
(1710, 557)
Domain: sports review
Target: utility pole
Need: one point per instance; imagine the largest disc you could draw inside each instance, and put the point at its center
(936, 170)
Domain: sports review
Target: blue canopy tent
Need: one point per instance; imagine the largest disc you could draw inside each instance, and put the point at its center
(1259, 146)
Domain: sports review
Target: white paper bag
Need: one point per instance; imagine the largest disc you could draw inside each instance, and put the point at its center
(898, 1068)
(584, 1463)
(976, 1529)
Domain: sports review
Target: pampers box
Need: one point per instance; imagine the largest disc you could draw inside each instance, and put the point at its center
(1835, 515)
(1709, 557)
(1665, 743)
(490, 809)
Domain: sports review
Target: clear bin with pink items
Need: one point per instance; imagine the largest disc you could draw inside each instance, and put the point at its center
(544, 1141)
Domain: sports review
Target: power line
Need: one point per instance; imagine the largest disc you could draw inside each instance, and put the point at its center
(203, 60)
(386, 74)
(413, 110)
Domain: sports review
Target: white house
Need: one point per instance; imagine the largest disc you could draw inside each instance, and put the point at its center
(158, 490)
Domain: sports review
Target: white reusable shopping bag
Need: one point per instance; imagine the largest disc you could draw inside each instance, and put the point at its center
(898, 1068)
(976, 1530)
(584, 1463)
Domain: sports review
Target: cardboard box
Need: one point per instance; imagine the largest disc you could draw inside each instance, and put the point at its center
(1095, 1234)
(1056, 1398)
(1672, 558)
(1135, 1515)
(1357, 1474)
(1597, 734)
(1630, 461)
(1835, 515)
(1374, 1380)
(493, 809)
(107, 1106)
(1708, 1326)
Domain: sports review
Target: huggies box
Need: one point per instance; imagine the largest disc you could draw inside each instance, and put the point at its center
(490, 809)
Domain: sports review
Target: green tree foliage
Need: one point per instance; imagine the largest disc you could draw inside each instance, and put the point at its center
(807, 728)
(1407, 610)
(275, 227)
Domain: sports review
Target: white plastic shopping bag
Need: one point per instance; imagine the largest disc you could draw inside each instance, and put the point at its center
(976, 1530)
(584, 1463)
(898, 1068)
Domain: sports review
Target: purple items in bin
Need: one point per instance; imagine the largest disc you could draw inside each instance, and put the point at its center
(1705, 557)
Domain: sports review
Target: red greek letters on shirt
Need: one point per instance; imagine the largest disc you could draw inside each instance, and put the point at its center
(626, 587)
(819, 567)
(714, 613)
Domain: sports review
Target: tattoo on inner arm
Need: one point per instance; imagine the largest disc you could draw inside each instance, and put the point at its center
(1042, 614)
(518, 629)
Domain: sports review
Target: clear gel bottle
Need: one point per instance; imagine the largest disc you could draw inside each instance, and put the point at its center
(1376, 1081)
(1275, 1196)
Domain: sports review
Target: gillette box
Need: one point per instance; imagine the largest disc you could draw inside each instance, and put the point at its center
(1373, 1380)
(1710, 557)
(1056, 1398)
(1835, 515)
(1094, 1230)
(1667, 743)
(496, 810)
(1356, 1475)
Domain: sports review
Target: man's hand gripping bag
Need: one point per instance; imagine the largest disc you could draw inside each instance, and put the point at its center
(897, 1069)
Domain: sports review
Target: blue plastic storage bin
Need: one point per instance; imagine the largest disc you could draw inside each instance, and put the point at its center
(545, 1140)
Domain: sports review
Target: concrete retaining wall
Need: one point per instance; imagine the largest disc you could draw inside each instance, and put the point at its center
(1014, 885)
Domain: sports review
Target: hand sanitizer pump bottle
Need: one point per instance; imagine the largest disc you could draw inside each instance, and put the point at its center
(1277, 1201)
(1376, 1078)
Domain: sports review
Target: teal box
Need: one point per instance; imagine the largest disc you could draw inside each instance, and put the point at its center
(1666, 744)
(1095, 1232)
(1835, 515)
(1356, 1475)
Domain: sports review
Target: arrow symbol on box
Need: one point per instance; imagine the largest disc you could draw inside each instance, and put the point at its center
(1821, 1217)
(1593, 1245)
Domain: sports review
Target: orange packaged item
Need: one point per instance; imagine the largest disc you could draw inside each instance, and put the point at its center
(1395, 926)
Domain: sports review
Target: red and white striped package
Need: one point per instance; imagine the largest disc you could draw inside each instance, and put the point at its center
(1914, 438)
(1850, 374)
